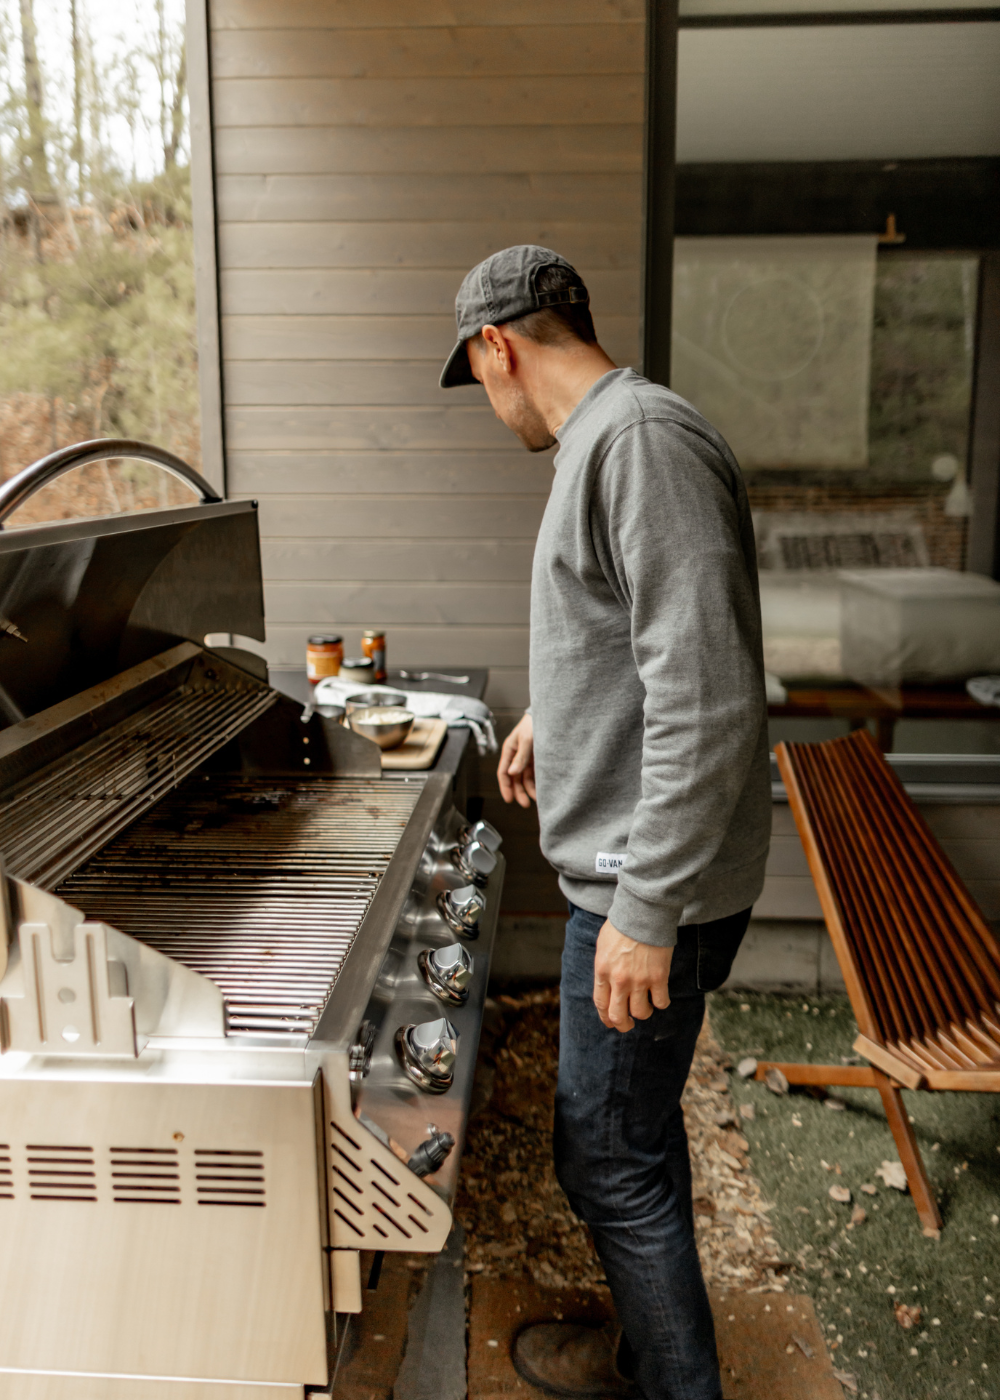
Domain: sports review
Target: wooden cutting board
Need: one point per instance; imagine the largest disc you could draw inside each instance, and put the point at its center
(423, 743)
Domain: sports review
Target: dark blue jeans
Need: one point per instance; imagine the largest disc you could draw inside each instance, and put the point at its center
(621, 1152)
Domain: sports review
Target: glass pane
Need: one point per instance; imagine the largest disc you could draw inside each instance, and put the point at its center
(97, 309)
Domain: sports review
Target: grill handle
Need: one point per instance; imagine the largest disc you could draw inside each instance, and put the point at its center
(17, 490)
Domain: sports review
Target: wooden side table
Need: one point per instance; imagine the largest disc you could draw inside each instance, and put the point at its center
(886, 706)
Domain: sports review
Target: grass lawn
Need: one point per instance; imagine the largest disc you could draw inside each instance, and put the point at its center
(857, 1274)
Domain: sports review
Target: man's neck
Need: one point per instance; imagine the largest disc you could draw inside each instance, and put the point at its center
(563, 376)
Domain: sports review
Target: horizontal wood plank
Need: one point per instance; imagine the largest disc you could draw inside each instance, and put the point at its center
(414, 14)
(427, 647)
(560, 101)
(440, 52)
(342, 382)
(383, 291)
(358, 429)
(389, 473)
(405, 243)
(246, 198)
(379, 337)
(464, 604)
(369, 556)
(441, 518)
(477, 150)
(507, 688)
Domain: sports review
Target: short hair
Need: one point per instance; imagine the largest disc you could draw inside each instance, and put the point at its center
(555, 325)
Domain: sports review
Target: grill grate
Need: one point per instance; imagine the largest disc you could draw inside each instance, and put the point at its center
(61, 815)
(261, 885)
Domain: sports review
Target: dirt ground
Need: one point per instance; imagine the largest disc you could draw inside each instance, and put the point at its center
(517, 1221)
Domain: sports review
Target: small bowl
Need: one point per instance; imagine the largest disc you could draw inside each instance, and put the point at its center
(387, 726)
(360, 669)
(369, 699)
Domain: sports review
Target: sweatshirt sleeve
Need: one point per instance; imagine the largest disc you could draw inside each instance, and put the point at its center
(668, 533)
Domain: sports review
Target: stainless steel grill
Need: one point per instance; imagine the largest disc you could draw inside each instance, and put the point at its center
(259, 885)
(71, 808)
(207, 1062)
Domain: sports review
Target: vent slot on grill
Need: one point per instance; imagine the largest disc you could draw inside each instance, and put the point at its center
(146, 1175)
(369, 1197)
(6, 1173)
(60, 1173)
(228, 1178)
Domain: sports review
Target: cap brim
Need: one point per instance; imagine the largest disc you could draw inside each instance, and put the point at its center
(457, 369)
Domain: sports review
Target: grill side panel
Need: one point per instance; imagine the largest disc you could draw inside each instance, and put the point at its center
(112, 1262)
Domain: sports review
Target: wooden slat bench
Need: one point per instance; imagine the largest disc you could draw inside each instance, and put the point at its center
(921, 964)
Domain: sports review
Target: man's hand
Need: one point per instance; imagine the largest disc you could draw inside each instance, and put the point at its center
(516, 771)
(626, 975)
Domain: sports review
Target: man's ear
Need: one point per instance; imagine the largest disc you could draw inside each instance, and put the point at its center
(499, 347)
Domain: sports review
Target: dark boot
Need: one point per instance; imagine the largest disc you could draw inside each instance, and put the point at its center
(572, 1359)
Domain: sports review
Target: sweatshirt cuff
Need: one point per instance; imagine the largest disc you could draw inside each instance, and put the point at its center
(655, 924)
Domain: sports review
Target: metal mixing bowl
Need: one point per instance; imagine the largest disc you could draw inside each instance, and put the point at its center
(387, 726)
(365, 699)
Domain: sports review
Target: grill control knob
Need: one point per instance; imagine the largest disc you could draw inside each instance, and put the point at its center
(485, 834)
(461, 910)
(427, 1054)
(448, 972)
(475, 861)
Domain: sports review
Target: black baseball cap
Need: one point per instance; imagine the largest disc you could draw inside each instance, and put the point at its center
(500, 290)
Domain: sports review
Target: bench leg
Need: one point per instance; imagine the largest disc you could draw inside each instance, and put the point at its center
(840, 1076)
(909, 1154)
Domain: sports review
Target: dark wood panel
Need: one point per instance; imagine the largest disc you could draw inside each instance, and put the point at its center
(937, 203)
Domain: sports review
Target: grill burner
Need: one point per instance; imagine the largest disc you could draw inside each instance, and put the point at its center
(260, 885)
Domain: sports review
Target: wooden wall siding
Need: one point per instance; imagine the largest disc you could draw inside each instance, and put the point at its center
(367, 155)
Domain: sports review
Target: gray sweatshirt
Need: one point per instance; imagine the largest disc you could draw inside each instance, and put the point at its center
(647, 676)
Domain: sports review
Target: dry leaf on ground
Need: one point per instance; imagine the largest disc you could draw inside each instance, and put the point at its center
(893, 1174)
(517, 1219)
(858, 1215)
(746, 1067)
(840, 1193)
(868, 1188)
(848, 1381)
(748, 1112)
(908, 1315)
(776, 1081)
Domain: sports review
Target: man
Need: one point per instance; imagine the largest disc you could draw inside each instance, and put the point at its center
(646, 750)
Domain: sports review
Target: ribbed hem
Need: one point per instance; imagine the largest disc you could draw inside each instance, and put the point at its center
(655, 924)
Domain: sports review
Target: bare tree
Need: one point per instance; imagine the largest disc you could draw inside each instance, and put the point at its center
(172, 147)
(33, 144)
(76, 150)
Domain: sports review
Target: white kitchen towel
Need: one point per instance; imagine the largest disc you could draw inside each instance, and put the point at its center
(461, 711)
